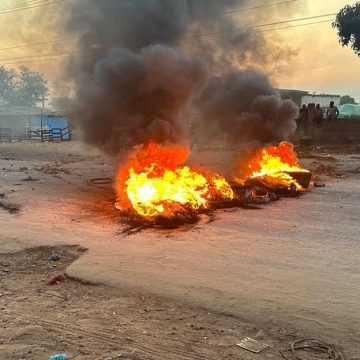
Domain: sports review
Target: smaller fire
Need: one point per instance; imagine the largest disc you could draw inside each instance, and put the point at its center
(276, 165)
(155, 182)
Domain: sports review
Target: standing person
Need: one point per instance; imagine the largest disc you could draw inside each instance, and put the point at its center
(332, 113)
(304, 116)
(318, 115)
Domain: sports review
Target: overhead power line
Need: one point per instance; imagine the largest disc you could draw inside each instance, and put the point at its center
(249, 9)
(298, 25)
(36, 56)
(33, 44)
(257, 26)
(65, 39)
(24, 4)
(30, 7)
(61, 40)
(60, 56)
(28, 3)
(225, 13)
(33, 61)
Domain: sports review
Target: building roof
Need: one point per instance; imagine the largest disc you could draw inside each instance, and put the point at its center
(303, 92)
(293, 91)
(323, 95)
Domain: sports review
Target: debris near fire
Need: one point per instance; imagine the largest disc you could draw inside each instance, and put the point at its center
(52, 169)
(56, 279)
(252, 345)
(306, 348)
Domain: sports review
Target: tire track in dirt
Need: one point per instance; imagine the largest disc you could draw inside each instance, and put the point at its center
(104, 336)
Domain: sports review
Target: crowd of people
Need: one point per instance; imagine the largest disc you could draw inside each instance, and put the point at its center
(318, 115)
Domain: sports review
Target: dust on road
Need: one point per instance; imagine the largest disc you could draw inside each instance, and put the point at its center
(289, 269)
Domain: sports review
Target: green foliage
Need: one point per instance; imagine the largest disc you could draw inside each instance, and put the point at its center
(347, 99)
(347, 24)
(7, 86)
(22, 87)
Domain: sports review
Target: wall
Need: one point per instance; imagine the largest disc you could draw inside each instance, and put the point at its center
(339, 131)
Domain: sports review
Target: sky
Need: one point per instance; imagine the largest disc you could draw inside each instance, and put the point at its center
(323, 65)
(319, 64)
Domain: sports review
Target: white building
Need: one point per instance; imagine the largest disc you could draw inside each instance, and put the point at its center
(322, 99)
(301, 97)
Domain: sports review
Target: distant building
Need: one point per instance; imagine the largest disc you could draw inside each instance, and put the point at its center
(22, 123)
(15, 118)
(322, 99)
(300, 97)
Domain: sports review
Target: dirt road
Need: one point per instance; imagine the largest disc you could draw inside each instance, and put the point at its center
(290, 268)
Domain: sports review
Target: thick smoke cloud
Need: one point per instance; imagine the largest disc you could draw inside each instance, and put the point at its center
(104, 25)
(135, 74)
(246, 108)
(137, 97)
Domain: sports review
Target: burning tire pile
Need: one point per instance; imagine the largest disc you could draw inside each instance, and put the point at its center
(154, 188)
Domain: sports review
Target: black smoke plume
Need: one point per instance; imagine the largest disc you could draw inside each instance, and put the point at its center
(135, 75)
(133, 98)
(245, 107)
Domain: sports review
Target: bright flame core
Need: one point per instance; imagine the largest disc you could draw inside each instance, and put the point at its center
(274, 164)
(154, 182)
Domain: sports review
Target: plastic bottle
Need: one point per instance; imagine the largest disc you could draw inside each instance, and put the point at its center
(59, 357)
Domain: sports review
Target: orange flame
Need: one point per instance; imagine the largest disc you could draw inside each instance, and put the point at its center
(274, 165)
(155, 182)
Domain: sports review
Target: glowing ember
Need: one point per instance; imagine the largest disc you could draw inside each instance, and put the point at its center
(274, 165)
(154, 182)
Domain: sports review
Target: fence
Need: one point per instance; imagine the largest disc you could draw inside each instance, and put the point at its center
(54, 134)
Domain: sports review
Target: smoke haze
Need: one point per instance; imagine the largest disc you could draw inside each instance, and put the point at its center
(245, 107)
(140, 65)
(133, 98)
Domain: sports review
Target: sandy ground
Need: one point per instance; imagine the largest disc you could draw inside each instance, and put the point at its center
(287, 271)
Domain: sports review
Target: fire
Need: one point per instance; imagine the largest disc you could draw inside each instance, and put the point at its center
(275, 164)
(155, 182)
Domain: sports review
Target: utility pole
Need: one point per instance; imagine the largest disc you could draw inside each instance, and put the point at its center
(41, 126)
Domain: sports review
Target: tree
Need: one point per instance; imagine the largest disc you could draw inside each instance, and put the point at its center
(347, 24)
(7, 86)
(22, 87)
(347, 99)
